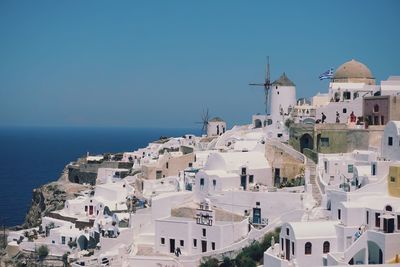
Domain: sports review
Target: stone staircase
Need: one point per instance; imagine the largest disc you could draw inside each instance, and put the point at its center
(313, 180)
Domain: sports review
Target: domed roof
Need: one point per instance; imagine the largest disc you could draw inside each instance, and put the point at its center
(216, 119)
(353, 69)
(283, 81)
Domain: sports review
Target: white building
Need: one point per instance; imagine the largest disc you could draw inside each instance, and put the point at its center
(303, 243)
(350, 83)
(282, 99)
(201, 234)
(391, 141)
(233, 171)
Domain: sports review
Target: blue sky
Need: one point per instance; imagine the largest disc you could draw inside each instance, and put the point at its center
(160, 63)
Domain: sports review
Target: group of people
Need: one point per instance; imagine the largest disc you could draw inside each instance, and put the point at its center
(353, 117)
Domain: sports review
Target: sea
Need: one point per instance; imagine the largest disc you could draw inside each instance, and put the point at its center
(33, 156)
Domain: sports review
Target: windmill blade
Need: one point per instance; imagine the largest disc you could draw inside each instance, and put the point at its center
(257, 84)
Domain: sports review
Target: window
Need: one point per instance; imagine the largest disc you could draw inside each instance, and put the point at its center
(243, 171)
(158, 174)
(367, 217)
(214, 183)
(345, 110)
(282, 244)
(162, 241)
(63, 240)
(388, 208)
(376, 108)
(326, 247)
(326, 166)
(166, 165)
(251, 179)
(377, 219)
(390, 141)
(350, 168)
(392, 179)
(86, 208)
(373, 169)
(195, 243)
(201, 182)
(204, 232)
(339, 214)
(325, 141)
(213, 245)
(346, 95)
(191, 164)
(308, 248)
(355, 95)
(292, 248)
(287, 231)
(182, 243)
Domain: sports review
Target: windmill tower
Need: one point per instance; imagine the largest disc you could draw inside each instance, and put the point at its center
(267, 86)
(280, 97)
(212, 127)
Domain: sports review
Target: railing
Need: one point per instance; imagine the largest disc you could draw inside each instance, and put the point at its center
(354, 248)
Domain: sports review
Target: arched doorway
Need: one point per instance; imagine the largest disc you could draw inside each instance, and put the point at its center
(375, 255)
(83, 242)
(306, 141)
(257, 123)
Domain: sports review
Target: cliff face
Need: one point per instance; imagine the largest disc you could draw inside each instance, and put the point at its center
(51, 197)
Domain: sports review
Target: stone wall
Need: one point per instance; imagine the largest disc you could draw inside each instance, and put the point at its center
(288, 165)
(86, 173)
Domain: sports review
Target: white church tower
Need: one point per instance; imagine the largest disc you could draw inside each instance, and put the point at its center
(282, 99)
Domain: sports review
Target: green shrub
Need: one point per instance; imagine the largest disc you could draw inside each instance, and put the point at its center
(211, 262)
(43, 251)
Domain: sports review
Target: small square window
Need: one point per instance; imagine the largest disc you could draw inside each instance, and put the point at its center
(392, 179)
(324, 141)
(350, 168)
(182, 243)
(345, 110)
(162, 241)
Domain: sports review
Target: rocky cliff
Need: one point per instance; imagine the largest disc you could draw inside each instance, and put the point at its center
(51, 197)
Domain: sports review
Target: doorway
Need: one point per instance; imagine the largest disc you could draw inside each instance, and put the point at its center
(388, 225)
(172, 245)
(203, 246)
(277, 176)
(243, 181)
(306, 141)
(287, 249)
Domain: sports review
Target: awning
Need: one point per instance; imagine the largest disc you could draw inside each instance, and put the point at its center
(387, 216)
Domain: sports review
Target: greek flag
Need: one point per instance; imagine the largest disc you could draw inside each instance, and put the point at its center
(326, 75)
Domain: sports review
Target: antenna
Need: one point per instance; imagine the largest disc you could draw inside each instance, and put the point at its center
(266, 84)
